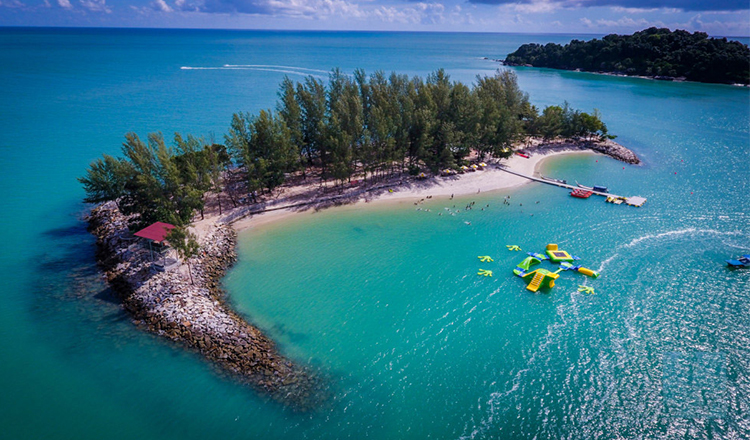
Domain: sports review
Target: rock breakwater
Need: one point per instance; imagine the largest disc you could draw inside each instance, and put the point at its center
(606, 146)
(196, 314)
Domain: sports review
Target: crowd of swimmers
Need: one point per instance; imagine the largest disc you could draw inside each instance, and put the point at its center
(453, 211)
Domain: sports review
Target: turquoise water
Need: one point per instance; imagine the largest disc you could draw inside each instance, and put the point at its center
(384, 301)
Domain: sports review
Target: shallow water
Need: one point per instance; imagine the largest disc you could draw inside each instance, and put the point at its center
(385, 302)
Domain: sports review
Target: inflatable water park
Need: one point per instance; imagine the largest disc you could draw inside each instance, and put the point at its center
(541, 277)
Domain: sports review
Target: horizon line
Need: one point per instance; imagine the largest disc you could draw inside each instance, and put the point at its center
(339, 30)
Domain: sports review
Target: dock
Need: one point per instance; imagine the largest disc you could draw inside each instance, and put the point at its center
(632, 201)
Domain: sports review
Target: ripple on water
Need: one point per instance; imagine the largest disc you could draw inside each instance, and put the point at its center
(602, 360)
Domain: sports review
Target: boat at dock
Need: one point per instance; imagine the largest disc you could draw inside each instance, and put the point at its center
(581, 193)
(595, 188)
(554, 180)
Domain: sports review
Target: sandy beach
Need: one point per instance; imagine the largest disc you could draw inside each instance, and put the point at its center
(491, 179)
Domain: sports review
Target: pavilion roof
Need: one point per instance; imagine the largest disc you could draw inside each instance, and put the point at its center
(156, 232)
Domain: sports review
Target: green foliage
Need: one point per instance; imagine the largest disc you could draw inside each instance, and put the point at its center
(344, 127)
(311, 97)
(652, 52)
(106, 179)
(505, 112)
(378, 123)
(353, 125)
(184, 242)
(551, 123)
(156, 182)
(161, 189)
(262, 145)
(566, 122)
(290, 112)
(186, 245)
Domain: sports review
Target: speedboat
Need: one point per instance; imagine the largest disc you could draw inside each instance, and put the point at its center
(743, 261)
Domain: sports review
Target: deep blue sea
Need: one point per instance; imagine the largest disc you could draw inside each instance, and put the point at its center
(384, 301)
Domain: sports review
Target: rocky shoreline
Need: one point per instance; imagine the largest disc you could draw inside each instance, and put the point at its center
(607, 147)
(196, 315)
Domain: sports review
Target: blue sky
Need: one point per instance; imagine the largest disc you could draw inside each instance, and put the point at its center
(718, 18)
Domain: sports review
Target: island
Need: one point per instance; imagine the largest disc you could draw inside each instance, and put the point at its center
(166, 215)
(654, 53)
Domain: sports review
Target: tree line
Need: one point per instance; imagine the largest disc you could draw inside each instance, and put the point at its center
(652, 52)
(156, 181)
(353, 126)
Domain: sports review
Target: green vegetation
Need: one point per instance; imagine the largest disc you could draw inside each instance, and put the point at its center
(186, 244)
(157, 182)
(352, 127)
(566, 122)
(653, 52)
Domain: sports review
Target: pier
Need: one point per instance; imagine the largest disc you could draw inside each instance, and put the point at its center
(632, 201)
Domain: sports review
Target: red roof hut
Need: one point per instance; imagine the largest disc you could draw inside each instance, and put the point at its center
(155, 233)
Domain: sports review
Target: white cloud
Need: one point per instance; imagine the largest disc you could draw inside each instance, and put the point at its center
(627, 23)
(94, 5)
(515, 16)
(13, 4)
(620, 9)
(404, 15)
(430, 13)
(715, 27)
(537, 7)
(65, 4)
(278, 8)
(425, 13)
(340, 8)
(696, 22)
(161, 5)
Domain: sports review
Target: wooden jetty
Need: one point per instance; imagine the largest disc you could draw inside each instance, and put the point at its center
(632, 201)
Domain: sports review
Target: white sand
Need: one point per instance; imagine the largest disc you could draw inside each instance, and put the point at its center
(489, 180)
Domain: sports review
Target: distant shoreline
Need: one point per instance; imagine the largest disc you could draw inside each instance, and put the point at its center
(657, 53)
(618, 75)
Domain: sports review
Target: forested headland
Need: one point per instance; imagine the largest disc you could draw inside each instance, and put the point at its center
(653, 52)
(352, 127)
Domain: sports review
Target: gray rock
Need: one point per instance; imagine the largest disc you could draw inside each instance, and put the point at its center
(195, 314)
